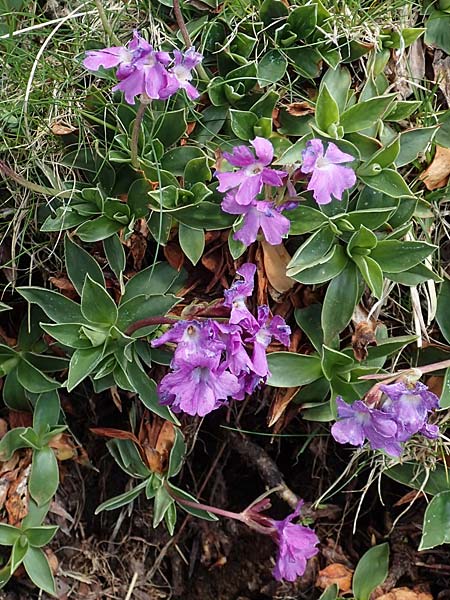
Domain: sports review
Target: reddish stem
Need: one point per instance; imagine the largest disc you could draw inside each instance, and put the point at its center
(150, 321)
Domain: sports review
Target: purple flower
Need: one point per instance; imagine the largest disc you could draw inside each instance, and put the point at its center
(253, 173)
(180, 75)
(256, 215)
(192, 337)
(357, 422)
(241, 289)
(142, 70)
(198, 386)
(296, 544)
(262, 333)
(410, 407)
(328, 178)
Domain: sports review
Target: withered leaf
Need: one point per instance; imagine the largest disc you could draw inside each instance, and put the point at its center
(362, 338)
(404, 593)
(436, 174)
(335, 573)
(299, 109)
(276, 258)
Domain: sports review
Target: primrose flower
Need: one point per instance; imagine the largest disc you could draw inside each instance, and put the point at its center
(262, 334)
(253, 172)
(296, 544)
(257, 215)
(329, 178)
(410, 407)
(198, 385)
(357, 422)
(193, 337)
(180, 75)
(141, 70)
(241, 289)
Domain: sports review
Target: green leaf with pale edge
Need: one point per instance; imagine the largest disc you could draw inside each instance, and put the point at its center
(289, 369)
(80, 263)
(44, 476)
(371, 570)
(436, 522)
(38, 570)
(97, 305)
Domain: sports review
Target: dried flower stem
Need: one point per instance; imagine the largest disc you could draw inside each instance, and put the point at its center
(186, 37)
(419, 371)
(34, 187)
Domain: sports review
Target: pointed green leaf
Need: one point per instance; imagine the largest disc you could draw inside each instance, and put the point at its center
(97, 305)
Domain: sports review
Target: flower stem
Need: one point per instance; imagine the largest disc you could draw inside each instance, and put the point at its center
(150, 321)
(186, 37)
(105, 23)
(135, 134)
(444, 364)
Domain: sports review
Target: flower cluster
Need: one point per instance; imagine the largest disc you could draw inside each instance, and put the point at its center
(296, 544)
(211, 362)
(141, 70)
(328, 177)
(403, 412)
(243, 187)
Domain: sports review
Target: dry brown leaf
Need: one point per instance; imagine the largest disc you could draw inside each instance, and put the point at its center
(63, 446)
(335, 573)
(435, 384)
(436, 174)
(174, 255)
(60, 129)
(299, 109)
(409, 497)
(404, 593)
(279, 405)
(441, 67)
(17, 502)
(64, 285)
(276, 258)
(110, 432)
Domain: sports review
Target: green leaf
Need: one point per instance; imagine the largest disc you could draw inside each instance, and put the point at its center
(335, 362)
(177, 454)
(19, 550)
(364, 114)
(289, 369)
(444, 401)
(98, 229)
(205, 215)
(161, 504)
(363, 239)
(331, 593)
(327, 110)
(303, 20)
(395, 256)
(9, 534)
(128, 458)
(12, 441)
(388, 182)
(56, 306)
(443, 312)
(414, 142)
(40, 536)
(402, 110)
(82, 363)
(68, 334)
(44, 476)
(271, 68)
(146, 389)
(38, 570)
(80, 263)
(340, 300)
(34, 380)
(414, 475)
(170, 126)
(305, 219)
(333, 263)
(338, 82)
(97, 306)
(115, 255)
(437, 34)
(46, 412)
(159, 278)
(242, 124)
(436, 522)
(385, 156)
(372, 274)
(389, 346)
(192, 242)
(122, 499)
(175, 160)
(308, 319)
(311, 252)
(371, 570)
(142, 307)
